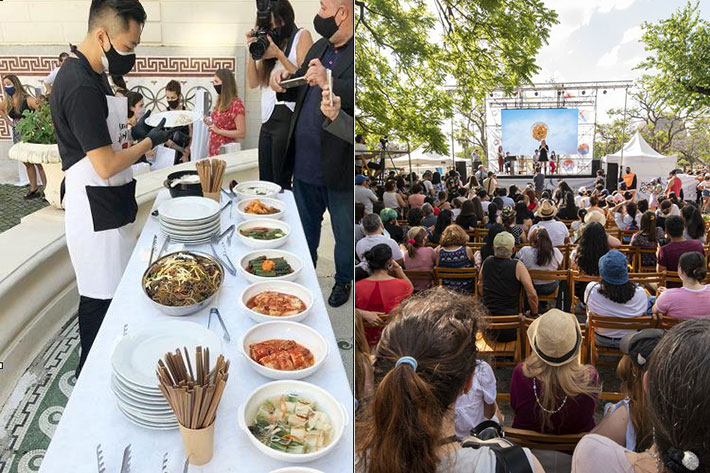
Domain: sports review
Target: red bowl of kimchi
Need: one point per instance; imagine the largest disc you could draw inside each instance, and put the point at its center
(284, 350)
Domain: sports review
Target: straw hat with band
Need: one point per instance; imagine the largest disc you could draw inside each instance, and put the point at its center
(555, 337)
(595, 216)
(547, 209)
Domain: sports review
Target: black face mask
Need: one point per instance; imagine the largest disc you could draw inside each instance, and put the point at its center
(218, 88)
(173, 104)
(118, 63)
(326, 27)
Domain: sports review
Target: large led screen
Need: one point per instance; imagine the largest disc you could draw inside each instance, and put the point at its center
(524, 129)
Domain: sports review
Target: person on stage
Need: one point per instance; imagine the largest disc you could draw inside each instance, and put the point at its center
(475, 161)
(631, 182)
(92, 135)
(500, 159)
(544, 150)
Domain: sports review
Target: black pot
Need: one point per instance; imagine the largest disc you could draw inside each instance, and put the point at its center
(183, 190)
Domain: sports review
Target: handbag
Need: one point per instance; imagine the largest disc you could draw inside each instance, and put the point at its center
(510, 458)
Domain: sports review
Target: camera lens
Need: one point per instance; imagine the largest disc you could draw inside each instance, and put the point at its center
(258, 48)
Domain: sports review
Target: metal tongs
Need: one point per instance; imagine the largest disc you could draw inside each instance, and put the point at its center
(228, 265)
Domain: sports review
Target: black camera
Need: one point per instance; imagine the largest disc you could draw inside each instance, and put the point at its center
(258, 48)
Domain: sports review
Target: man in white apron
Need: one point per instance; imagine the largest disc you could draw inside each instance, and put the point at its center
(92, 136)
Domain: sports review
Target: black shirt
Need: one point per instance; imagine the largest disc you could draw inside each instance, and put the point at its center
(79, 110)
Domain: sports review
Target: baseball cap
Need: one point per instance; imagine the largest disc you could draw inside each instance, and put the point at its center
(504, 240)
(639, 345)
(613, 268)
(359, 179)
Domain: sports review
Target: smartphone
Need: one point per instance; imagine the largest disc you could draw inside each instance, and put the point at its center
(329, 74)
(295, 82)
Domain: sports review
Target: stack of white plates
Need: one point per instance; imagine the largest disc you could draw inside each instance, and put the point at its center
(189, 219)
(134, 364)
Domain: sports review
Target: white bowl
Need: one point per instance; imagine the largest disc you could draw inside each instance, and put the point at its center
(293, 260)
(335, 411)
(275, 203)
(263, 222)
(296, 469)
(299, 333)
(287, 287)
(271, 190)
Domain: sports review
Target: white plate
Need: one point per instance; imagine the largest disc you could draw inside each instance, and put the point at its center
(335, 411)
(215, 227)
(270, 189)
(190, 226)
(136, 356)
(119, 387)
(158, 418)
(174, 118)
(267, 223)
(188, 209)
(148, 425)
(192, 240)
(299, 333)
(275, 203)
(293, 260)
(287, 287)
(151, 393)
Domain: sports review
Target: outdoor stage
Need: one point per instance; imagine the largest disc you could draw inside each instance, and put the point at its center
(575, 182)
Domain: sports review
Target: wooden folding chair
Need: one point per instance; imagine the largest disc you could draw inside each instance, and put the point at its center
(625, 235)
(667, 323)
(576, 276)
(566, 250)
(479, 234)
(455, 273)
(596, 321)
(420, 275)
(566, 222)
(639, 253)
(564, 443)
(495, 349)
(650, 281)
(549, 276)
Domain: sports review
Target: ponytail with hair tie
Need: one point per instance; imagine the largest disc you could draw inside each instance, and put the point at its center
(679, 461)
(411, 241)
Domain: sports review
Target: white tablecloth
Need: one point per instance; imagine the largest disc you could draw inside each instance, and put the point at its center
(92, 416)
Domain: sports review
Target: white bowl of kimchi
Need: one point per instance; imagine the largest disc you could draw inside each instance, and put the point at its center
(333, 420)
(261, 207)
(284, 350)
(276, 301)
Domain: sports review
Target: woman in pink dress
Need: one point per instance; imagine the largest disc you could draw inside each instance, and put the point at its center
(228, 122)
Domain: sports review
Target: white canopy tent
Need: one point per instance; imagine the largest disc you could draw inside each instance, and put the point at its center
(644, 161)
(421, 161)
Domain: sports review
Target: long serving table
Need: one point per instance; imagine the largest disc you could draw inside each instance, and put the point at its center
(91, 416)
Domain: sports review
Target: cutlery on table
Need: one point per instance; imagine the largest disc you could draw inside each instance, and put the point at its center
(152, 249)
(227, 264)
(166, 243)
(126, 462)
(187, 465)
(228, 233)
(228, 204)
(221, 322)
(164, 468)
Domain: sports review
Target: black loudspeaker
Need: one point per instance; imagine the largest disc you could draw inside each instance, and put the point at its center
(612, 173)
(461, 168)
(596, 165)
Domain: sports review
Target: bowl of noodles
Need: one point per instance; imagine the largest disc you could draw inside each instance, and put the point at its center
(183, 282)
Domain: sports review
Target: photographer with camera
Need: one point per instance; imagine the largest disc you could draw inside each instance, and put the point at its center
(275, 44)
(320, 161)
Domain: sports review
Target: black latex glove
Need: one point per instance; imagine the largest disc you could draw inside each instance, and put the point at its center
(141, 130)
(159, 134)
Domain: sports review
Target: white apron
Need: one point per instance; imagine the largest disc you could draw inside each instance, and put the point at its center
(100, 214)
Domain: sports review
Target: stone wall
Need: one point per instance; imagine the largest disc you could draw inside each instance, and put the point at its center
(183, 39)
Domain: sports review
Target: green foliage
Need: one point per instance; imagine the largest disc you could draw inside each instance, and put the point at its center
(36, 126)
(406, 53)
(678, 63)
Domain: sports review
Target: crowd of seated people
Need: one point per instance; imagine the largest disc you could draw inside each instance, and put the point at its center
(424, 367)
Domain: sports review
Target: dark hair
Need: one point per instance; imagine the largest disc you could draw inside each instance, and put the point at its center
(648, 226)
(443, 220)
(675, 226)
(477, 208)
(359, 211)
(123, 10)
(593, 201)
(119, 81)
(481, 194)
(441, 195)
(521, 212)
(619, 293)
(174, 86)
(694, 265)
(400, 428)
(593, 244)
(502, 192)
(416, 188)
(631, 210)
(436, 178)
(512, 190)
(487, 248)
(546, 195)
(642, 205)
(541, 241)
(133, 98)
(694, 223)
(569, 201)
(378, 256)
(581, 213)
(390, 185)
(677, 385)
(285, 20)
(359, 138)
(63, 56)
(492, 213)
(414, 217)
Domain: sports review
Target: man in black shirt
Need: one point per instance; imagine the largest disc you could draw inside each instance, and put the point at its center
(92, 136)
(321, 163)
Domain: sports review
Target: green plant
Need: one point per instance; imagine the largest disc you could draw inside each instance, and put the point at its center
(36, 126)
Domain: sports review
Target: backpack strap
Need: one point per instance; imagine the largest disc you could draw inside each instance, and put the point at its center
(287, 51)
(511, 459)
